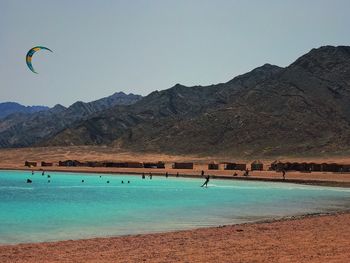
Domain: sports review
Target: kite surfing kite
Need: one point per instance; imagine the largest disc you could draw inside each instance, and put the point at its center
(31, 53)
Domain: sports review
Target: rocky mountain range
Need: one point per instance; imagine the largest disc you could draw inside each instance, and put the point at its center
(25, 129)
(8, 108)
(303, 108)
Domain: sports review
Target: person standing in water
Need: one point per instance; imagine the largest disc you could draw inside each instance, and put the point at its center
(143, 176)
(206, 182)
(150, 176)
(166, 175)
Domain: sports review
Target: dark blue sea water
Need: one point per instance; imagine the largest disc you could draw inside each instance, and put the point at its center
(66, 208)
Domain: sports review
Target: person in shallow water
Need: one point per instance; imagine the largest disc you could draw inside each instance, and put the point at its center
(206, 181)
(143, 176)
(150, 176)
(166, 175)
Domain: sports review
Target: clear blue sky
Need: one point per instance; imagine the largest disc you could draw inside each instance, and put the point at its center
(101, 46)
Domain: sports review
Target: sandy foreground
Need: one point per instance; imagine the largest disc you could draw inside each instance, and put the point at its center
(322, 238)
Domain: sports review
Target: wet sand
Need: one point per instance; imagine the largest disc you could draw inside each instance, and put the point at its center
(321, 238)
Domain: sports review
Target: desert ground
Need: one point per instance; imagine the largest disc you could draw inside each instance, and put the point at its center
(313, 238)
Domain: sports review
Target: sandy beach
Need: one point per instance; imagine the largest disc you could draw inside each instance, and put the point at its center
(313, 238)
(321, 238)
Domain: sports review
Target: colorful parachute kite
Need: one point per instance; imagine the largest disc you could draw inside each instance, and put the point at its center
(30, 54)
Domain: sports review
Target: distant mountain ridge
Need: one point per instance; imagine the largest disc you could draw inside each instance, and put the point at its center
(7, 108)
(21, 129)
(300, 109)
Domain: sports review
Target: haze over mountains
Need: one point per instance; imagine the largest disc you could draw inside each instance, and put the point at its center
(300, 109)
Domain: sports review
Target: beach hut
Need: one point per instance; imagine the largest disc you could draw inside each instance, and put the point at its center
(257, 166)
(182, 165)
(213, 166)
(30, 164)
(312, 167)
(346, 168)
(161, 165)
(150, 165)
(241, 166)
(229, 166)
(277, 166)
(115, 164)
(70, 163)
(45, 164)
(235, 166)
(331, 167)
(134, 165)
(158, 165)
(273, 165)
(93, 164)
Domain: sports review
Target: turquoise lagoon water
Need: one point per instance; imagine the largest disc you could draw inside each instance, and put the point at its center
(66, 208)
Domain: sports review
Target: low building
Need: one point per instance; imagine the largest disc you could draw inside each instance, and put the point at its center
(213, 166)
(93, 164)
(235, 166)
(30, 164)
(150, 165)
(45, 164)
(256, 166)
(158, 165)
(229, 166)
(134, 164)
(161, 165)
(332, 167)
(115, 164)
(183, 166)
(277, 166)
(70, 163)
(241, 166)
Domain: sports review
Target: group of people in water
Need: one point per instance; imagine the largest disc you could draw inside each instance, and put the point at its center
(29, 181)
(205, 184)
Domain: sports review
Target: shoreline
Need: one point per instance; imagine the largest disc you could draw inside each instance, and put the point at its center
(183, 174)
(255, 222)
(277, 232)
